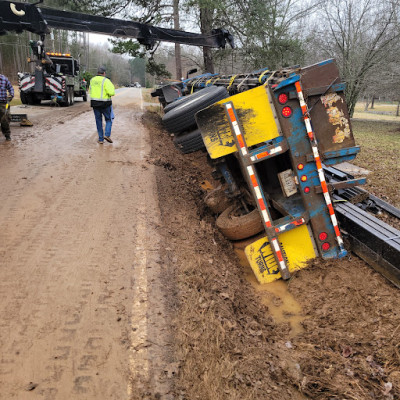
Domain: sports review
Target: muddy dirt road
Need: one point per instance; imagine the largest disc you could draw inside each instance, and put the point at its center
(78, 249)
(116, 284)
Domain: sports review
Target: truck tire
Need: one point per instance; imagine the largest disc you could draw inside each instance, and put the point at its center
(217, 201)
(238, 227)
(29, 99)
(84, 96)
(177, 102)
(189, 142)
(181, 118)
(24, 98)
(32, 99)
(72, 96)
(65, 101)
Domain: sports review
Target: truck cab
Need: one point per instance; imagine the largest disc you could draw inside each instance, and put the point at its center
(56, 77)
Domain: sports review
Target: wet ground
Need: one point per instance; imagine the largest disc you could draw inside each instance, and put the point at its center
(115, 283)
(80, 299)
(331, 332)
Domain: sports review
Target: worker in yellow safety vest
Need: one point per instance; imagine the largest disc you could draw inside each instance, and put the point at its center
(101, 90)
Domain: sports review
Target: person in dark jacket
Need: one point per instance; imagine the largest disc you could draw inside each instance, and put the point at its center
(5, 98)
(101, 90)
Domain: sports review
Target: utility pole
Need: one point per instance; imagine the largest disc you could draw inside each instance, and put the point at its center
(178, 59)
(205, 27)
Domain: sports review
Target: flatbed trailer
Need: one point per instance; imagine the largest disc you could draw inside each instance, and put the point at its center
(284, 130)
(280, 133)
(372, 239)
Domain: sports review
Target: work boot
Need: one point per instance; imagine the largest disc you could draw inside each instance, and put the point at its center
(108, 139)
(8, 138)
(101, 141)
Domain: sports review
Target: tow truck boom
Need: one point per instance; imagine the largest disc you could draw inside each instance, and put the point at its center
(18, 17)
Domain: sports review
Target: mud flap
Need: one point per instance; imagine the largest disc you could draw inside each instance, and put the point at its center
(297, 246)
(255, 114)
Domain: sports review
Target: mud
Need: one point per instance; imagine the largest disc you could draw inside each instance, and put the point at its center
(81, 300)
(115, 283)
(331, 332)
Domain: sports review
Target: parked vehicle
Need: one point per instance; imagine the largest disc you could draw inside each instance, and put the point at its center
(56, 77)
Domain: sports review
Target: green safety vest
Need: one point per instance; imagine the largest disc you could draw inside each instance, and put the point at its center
(101, 89)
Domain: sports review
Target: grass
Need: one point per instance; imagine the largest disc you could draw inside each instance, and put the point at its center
(382, 111)
(16, 101)
(147, 96)
(380, 150)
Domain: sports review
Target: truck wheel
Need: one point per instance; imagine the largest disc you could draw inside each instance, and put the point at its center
(235, 225)
(189, 142)
(217, 201)
(181, 118)
(72, 96)
(24, 98)
(65, 101)
(69, 99)
(177, 102)
(29, 99)
(84, 97)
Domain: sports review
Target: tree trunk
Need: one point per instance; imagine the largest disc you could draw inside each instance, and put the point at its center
(206, 27)
(372, 102)
(178, 60)
(398, 108)
(366, 104)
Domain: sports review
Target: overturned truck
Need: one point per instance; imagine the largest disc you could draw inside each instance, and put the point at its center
(269, 141)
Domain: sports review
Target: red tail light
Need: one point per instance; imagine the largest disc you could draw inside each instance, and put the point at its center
(307, 190)
(323, 236)
(326, 246)
(287, 112)
(283, 98)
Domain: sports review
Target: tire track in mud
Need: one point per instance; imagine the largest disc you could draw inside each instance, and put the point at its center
(75, 248)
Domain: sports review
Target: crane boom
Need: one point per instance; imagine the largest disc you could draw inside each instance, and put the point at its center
(18, 17)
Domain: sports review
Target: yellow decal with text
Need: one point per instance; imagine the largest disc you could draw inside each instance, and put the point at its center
(255, 117)
(297, 248)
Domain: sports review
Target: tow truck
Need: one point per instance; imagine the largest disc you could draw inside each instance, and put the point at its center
(56, 78)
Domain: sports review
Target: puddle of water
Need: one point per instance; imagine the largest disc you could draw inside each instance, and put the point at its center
(281, 304)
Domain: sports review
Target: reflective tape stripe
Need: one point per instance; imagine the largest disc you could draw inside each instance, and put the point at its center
(259, 196)
(298, 222)
(279, 254)
(102, 88)
(318, 163)
(254, 181)
(266, 153)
